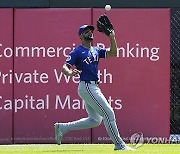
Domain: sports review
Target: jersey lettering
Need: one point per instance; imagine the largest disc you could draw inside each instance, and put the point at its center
(89, 60)
(95, 57)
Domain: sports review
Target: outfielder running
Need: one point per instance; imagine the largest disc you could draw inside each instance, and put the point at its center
(86, 57)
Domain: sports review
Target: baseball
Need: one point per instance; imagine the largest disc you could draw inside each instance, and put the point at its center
(108, 7)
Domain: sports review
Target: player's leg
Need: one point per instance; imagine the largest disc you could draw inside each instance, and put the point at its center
(93, 96)
(93, 120)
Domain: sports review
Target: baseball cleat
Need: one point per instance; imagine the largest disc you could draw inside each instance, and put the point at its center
(129, 148)
(58, 133)
(120, 147)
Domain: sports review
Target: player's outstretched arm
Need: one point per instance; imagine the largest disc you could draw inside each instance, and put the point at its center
(66, 69)
(113, 45)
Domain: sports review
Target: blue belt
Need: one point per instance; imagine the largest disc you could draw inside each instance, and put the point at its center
(93, 82)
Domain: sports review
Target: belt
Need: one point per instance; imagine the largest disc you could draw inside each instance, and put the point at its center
(92, 82)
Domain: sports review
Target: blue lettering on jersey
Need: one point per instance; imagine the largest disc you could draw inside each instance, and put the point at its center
(86, 60)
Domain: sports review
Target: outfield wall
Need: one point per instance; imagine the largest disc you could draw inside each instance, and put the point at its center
(34, 94)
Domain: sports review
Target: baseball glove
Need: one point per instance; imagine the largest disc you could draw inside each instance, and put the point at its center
(104, 25)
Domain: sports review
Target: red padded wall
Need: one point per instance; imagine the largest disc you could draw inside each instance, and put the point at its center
(6, 77)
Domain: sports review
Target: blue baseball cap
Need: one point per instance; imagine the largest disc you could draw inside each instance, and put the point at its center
(84, 27)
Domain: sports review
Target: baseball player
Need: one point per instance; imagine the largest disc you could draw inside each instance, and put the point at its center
(86, 58)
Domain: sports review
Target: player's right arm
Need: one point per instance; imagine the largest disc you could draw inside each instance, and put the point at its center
(70, 61)
(66, 69)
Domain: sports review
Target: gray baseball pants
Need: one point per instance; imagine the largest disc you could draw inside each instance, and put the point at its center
(98, 109)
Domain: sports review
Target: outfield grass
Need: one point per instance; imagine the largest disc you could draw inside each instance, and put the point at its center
(86, 148)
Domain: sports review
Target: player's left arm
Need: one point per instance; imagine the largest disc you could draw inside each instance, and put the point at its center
(113, 46)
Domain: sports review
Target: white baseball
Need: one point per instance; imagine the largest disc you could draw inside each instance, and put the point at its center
(108, 7)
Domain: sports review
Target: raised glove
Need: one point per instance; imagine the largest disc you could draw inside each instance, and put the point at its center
(104, 25)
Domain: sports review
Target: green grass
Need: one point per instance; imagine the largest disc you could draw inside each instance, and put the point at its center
(86, 148)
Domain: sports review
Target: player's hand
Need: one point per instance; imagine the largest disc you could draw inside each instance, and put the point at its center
(75, 72)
